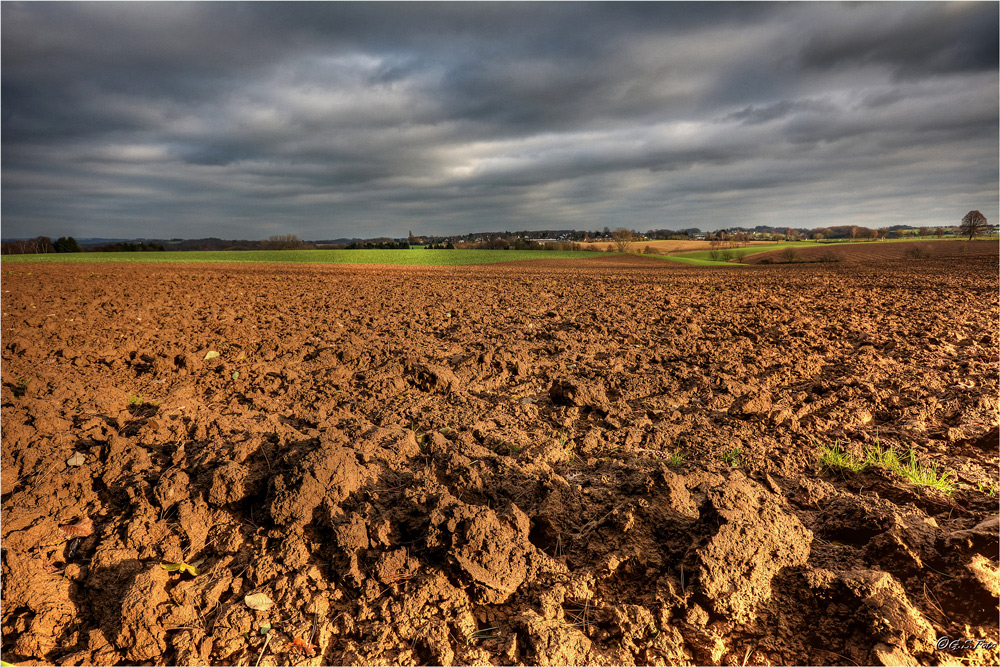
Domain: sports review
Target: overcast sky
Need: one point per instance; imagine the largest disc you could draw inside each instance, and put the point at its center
(326, 120)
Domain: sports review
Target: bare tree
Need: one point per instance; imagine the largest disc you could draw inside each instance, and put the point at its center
(623, 239)
(284, 242)
(43, 244)
(973, 224)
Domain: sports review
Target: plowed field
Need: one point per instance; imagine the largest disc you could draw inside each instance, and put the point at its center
(878, 252)
(610, 461)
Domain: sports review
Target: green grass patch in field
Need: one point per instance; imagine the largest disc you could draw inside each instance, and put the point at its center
(905, 464)
(705, 257)
(411, 257)
(684, 259)
(748, 251)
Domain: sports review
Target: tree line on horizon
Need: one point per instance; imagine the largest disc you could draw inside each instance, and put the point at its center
(973, 224)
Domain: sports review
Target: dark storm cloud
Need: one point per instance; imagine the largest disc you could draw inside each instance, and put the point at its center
(955, 38)
(333, 119)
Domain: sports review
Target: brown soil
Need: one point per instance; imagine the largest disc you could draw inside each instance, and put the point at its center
(472, 465)
(877, 252)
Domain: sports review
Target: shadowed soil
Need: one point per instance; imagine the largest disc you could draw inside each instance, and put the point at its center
(607, 461)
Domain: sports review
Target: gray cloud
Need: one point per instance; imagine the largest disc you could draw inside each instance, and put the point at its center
(358, 119)
(753, 115)
(924, 39)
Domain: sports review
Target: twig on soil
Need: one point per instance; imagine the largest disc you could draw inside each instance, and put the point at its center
(943, 574)
(597, 523)
(935, 606)
(42, 477)
(267, 640)
(417, 635)
(583, 617)
(165, 514)
(836, 654)
(312, 632)
(213, 610)
(265, 456)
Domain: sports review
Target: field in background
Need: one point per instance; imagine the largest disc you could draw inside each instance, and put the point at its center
(877, 253)
(706, 257)
(412, 257)
(663, 247)
(811, 251)
(698, 253)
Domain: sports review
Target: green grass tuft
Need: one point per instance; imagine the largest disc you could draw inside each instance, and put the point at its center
(904, 464)
(732, 457)
(833, 457)
(925, 475)
(676, 459)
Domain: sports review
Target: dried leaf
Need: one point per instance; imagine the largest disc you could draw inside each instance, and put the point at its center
(180, 567)
(303, 646)
(212, 354)
(259, 601)
(76, 460)
(81, 528)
